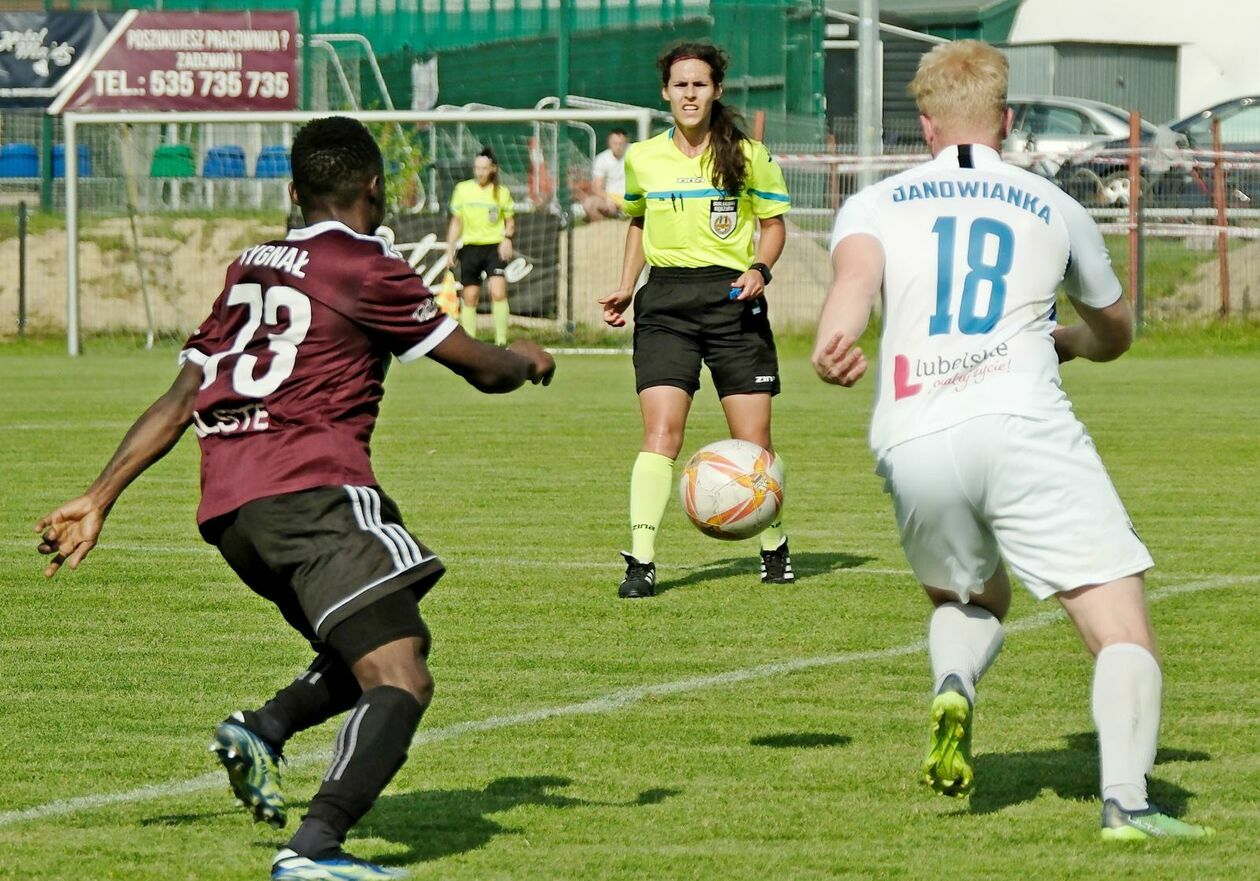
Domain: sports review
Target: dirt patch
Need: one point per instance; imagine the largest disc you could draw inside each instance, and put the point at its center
(184, 262)
(1200, 295)
(801, 276)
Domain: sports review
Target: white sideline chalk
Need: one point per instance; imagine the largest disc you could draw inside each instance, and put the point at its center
(610, 702)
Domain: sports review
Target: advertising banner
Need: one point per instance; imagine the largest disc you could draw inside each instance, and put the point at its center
(533, 275)
(191, 61)
(40, 52)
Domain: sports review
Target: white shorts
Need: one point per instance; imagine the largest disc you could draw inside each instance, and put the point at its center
(1031, 492)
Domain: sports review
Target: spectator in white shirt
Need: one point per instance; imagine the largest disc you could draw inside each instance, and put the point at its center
(608, 179)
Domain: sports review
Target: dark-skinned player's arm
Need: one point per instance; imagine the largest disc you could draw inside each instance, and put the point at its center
(70, 532)
(491, 369)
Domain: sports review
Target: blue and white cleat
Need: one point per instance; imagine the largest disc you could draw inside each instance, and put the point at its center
(290, 866)
(253, 771)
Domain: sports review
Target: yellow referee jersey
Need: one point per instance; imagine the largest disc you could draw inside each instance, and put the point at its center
(688, 222)
(481, 214)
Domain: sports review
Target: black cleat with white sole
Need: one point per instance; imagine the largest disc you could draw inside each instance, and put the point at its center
(640, 580)
(776, 566)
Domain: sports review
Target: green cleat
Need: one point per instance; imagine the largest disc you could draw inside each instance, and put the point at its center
(253, 771)
(1119, 824)
(289, 866)
(948, 767)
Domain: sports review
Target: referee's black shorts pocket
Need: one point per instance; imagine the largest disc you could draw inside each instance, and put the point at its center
(744, 359)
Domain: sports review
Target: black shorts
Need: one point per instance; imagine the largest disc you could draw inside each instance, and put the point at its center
(323, 554)
(478, 260)
(685, 316)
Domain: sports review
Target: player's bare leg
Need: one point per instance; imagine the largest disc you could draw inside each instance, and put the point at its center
(1114, 625)
(963, 640)
(664, 409)
(748, 418)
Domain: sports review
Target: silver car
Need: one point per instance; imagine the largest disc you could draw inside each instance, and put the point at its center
(1048, 128)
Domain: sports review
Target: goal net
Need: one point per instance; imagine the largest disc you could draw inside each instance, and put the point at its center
(159, 204)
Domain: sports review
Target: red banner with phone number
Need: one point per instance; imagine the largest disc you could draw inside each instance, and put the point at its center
(192, 61)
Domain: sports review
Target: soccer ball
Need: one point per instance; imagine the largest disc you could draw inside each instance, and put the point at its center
(732, 489)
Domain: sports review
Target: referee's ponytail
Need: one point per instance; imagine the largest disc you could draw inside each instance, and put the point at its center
(725, 131)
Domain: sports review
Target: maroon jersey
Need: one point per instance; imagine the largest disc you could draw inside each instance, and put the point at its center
(294, 355)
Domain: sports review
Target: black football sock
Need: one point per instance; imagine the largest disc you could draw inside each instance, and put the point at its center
(371, 746)
(326, 689)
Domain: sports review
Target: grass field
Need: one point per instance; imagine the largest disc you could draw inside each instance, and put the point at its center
(720, 730)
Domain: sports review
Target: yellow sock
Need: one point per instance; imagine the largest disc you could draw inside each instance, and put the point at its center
(651, 482)
(773, 535)
(468, 319)
(499, 308)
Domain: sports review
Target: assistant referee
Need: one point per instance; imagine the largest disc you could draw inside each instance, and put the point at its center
(694, 195)
(482, 217)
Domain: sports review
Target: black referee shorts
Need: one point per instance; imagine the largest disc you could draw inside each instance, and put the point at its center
(683, 317)
(476, 261)
(324, 555)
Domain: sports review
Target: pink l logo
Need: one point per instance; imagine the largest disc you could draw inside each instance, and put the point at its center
(901, 379)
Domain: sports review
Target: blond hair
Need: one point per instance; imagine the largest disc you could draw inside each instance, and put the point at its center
(962, 85)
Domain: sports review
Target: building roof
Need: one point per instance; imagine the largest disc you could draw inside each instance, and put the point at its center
(931, 11)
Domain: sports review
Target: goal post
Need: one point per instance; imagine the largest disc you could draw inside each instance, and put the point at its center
(443, 143)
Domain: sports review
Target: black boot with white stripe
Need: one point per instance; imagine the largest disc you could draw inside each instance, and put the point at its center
(776, 566)
(640, 580)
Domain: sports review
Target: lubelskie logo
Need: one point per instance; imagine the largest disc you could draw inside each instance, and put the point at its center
(957, 372)
(902, 386)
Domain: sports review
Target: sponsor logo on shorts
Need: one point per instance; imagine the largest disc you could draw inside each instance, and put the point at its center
(761, 379)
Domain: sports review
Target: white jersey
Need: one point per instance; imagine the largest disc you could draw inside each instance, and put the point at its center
(612, 170)
(974, 252)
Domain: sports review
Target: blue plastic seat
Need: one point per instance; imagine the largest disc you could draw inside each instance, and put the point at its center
(225, 161)
(59, 160)
(273, 161)
(19, 160)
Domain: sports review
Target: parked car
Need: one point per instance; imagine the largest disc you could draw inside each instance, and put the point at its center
(1169, 176)
(1047, 129)
(1240, 125)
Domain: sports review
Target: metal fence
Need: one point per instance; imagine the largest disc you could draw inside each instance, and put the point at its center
(1187, 251)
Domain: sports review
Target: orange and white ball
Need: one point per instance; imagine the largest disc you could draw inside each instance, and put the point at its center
(732, 489)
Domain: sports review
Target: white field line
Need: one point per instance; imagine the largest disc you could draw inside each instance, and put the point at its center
(607, 703)
(62, 426)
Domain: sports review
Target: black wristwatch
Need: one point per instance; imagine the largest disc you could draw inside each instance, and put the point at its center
(764, 270)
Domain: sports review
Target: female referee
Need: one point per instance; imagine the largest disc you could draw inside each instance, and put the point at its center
(694, 195)
(481, 210)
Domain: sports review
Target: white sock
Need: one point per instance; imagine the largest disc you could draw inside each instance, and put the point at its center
(963, 640)
(1126, 696)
